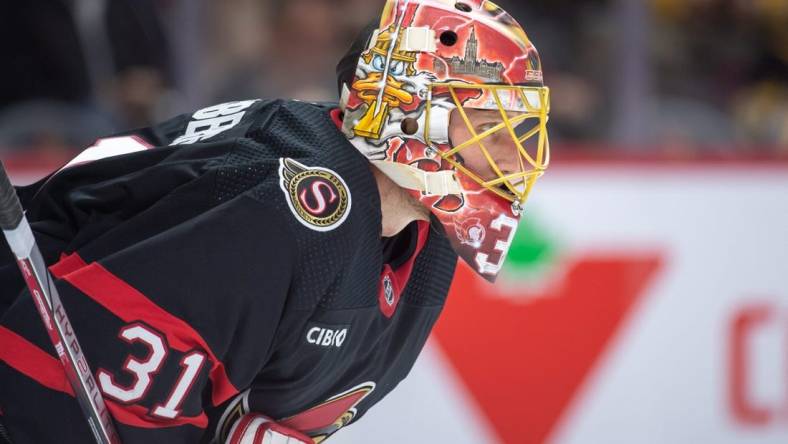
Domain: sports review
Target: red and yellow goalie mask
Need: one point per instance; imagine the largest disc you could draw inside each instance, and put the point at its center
(448, 101)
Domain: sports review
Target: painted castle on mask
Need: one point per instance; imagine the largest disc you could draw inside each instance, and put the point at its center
(470, 64)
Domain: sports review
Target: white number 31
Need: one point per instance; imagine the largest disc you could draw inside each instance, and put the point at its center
(144, 369)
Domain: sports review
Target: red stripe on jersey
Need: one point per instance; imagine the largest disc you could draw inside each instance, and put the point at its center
(129, 304)
(26, 358)
(399, 278)
(137, 416)
(402, 273)
(67, 264)
(38, 365)
(47, 370)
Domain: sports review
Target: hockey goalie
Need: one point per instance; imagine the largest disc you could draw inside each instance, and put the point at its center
(266, 271)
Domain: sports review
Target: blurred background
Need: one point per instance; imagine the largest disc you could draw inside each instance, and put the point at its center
(685, 75)
(646, 298)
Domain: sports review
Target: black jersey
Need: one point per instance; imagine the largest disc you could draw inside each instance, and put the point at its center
(222, 262)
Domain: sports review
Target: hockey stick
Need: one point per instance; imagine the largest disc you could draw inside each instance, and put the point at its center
(20, 238)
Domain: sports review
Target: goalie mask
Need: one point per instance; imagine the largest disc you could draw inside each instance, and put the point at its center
(448, 101)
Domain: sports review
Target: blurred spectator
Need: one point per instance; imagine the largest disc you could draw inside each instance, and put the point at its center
(79, 69)
(575, 43)
(761, 113)
(728, 60)
(303, 42)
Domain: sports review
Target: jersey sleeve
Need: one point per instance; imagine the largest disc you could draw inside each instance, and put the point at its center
(172, 325)
(184, 143)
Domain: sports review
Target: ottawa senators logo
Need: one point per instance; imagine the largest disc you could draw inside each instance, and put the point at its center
(318, 422)
(470, 232)
(324, 420)
(318, 197)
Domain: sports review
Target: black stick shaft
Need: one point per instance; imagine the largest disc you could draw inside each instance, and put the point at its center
(53, 314)
(10, 208)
